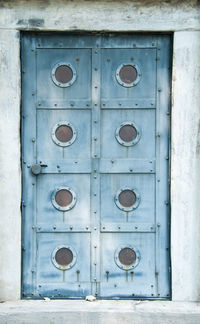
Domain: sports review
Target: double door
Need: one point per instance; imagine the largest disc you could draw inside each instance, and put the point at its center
(95, 161)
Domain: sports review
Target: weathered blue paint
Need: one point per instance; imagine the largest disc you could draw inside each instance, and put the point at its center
(96, 165)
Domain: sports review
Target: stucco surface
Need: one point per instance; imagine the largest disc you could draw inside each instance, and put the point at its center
(10, 174)
(185, 167)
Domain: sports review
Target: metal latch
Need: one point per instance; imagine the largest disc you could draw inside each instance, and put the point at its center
(37, 168)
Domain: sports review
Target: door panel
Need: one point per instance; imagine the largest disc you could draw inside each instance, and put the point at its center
(47, 149)
(138, 282)
(116, 96)
(49, 95)
(144, 213)
(95, 161)
(144, 122)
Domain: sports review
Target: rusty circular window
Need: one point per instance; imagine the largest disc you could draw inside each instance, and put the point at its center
(63, 198)
(128, 75)
(63, 133)
(128, 134)
(127, 199)
(127, 257)
(64, 257)
(63, 74)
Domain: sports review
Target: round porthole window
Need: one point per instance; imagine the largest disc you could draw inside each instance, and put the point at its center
(63, 257)
(127, 257)
(63, 198)
(63, 133)
(128, 75)
(128, 134)
(63, 74)
(127, 199)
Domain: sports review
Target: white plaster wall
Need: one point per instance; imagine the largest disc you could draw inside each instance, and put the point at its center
(183, 17)
(10, 175)
(185, 169)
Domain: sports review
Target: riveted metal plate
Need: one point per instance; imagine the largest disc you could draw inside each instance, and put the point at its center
(63, 198)
(127, 198)
(63, 74)
(63, 133)
(128, 75)
(64, 257)
(128, 133)
(127, 257)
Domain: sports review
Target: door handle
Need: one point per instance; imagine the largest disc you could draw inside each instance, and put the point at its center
(37, 168)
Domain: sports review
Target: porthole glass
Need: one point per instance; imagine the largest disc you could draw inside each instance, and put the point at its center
(63, 133)
(127, 257)
(128, 134)
(64, 257)
(128, 75)
(127, 199)
(63, 74)
(63, 198)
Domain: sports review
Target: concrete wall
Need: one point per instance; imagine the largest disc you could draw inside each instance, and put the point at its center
(180, 17)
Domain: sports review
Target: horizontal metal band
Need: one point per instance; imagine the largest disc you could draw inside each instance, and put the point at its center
(129, 227)
(64, 104)
(69, 166)
(61, 229)
(127, 166)
(128, 103)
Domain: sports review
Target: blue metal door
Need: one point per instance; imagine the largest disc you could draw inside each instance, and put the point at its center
(95, 160)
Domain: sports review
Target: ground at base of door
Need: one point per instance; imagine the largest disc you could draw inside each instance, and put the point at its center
(99, 312)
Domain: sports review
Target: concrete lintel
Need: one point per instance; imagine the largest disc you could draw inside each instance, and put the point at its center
(99, 312)
(60, 15)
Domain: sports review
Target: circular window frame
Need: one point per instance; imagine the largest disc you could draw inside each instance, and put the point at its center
(53, 134)
(136, 204)
(121, 265)
(130, 143)
(58, 207)
(132, 84)
(56, 264)
(60, 84)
